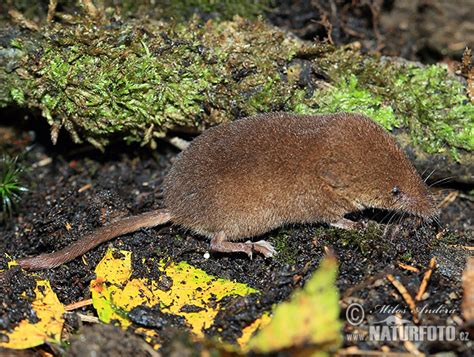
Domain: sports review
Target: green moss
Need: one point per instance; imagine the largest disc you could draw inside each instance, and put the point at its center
(225, 9)
(179, 237)
(427, 101)
(126, 88)
(363, 241)
(16, 43)
(140, 79)
(448, 238)
(348, 96)
(355, 240)
(287, 253)
(126, 81)
(18, 96)
(434, 106)
(406, 257)
(253, 82)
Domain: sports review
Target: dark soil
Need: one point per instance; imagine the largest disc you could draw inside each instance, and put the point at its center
(107, 340)
(426, 31)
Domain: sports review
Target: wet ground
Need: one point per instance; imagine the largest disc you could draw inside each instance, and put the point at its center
(75, 189)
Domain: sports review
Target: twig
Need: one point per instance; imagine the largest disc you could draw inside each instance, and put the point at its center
(409, 267)
(179, 143)
(78, 305)
(21, 20)
(84, 188)
(426, 279)
(87, 318)
(450, 198)
(150, 350)
(324, 21)
(43, 162)
(467, 306)
(410, 346)
(406, 296)
(467, 69)
(90, 8)
(51, 10)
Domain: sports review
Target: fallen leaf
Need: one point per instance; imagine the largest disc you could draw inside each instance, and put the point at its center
(310, 317)
(49, 311)
(114, 294)
(248, 331)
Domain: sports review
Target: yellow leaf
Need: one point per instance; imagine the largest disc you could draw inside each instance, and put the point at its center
(310, 317)
(48, 329)
(248, 331)
(193, 293)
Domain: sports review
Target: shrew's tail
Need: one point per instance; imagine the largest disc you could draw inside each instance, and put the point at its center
(103, 234)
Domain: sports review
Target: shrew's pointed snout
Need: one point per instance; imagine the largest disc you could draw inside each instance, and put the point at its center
(426, 207)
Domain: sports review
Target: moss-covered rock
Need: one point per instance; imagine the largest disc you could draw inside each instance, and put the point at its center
(138, 79)
(428, 101)
(156, 9)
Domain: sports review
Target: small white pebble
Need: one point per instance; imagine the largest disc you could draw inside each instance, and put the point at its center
(207, 255)
(43, 162)
(181, 144)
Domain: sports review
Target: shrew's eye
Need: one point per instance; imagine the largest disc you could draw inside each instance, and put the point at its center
(395, 190)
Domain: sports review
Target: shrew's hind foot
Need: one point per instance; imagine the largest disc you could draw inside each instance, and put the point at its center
(219, 243)
(263, 247)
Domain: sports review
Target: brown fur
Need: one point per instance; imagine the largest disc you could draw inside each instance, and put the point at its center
(242, 179)
(250, 176)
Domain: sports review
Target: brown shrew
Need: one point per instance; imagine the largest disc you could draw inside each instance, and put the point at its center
(242, 179)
